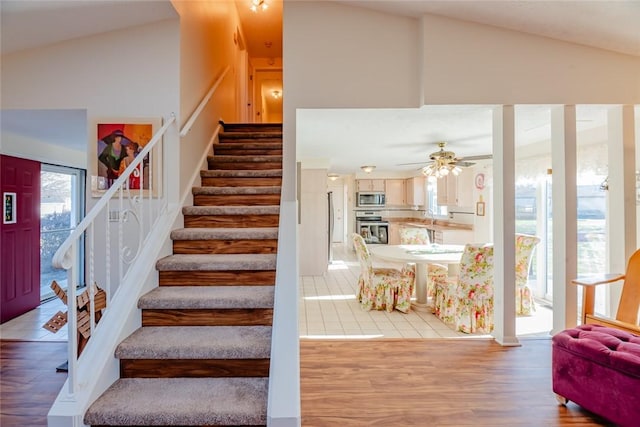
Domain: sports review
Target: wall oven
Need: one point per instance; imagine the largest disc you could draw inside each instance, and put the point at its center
(370, 199)
(372, 228)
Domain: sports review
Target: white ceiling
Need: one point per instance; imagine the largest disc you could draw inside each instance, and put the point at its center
(349, 138)
(342, 140)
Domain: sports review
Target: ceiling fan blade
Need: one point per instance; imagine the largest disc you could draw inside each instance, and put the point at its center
(479, 157)
(462, 163)
(415, 163)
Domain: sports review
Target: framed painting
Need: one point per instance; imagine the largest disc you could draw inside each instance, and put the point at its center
(117, 143)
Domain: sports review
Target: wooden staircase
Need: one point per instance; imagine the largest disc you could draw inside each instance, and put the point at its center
(202, 355)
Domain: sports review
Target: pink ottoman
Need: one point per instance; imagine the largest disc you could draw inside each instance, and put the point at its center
(599, 369)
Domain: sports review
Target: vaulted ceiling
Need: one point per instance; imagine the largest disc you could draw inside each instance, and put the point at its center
(611, 25)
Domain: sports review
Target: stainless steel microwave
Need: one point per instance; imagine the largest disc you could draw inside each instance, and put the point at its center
(370, 199)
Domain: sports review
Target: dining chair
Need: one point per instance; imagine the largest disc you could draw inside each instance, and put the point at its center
(525, 244)
(381, 288)
(467, 300)
(413, 235)
(436, 273)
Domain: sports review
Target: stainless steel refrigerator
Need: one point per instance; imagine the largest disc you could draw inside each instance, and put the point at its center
(331, 225)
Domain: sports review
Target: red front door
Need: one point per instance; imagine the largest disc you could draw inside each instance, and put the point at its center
(20, 241)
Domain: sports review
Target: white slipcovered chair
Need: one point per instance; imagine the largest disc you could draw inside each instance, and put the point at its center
(525, 244)
(381, 288)
(436, 273)
(467, 301)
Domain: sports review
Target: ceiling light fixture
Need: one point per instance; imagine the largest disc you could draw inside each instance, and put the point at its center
(276, 94)
(367, 169)
(333, 176)
(443, 163)
(440, 168)
(259, 4)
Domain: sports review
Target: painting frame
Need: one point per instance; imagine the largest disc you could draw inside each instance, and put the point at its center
(480, 208)
(138, 130)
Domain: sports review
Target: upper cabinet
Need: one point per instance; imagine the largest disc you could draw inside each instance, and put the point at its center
(398, 191)
(456, 190)
(370, 185)
(395, 192)
(415, 190)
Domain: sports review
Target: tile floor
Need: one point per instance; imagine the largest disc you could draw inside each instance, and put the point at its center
(28, 327)
(328, 308)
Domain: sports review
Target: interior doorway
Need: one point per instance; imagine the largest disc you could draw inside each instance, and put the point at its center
(61, 209)
(268, 95)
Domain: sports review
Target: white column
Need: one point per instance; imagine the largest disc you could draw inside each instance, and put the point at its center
(504, 261)
(621, 211)
(564, 205)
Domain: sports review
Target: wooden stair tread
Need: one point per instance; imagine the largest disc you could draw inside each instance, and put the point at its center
(258, 173)
(207, 297)
(236, 190)
(274, 158)
(253, 135)
(248, 145)
(197, 342)
(249, 127)
(182, 401)
(231, 210)
(216, 262)
(225, 233)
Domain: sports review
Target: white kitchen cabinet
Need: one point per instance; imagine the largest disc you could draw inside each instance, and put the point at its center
(395, 192)
(394, 233)
(370, 185)
(415, 191)
(447, 190)
(465, 188)
(453, 237)
(456, 190)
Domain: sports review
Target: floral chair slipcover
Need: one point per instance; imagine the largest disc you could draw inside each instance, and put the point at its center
(524, 254)
(467, 301)
(381, 288)
(436, 273)
(414, 235)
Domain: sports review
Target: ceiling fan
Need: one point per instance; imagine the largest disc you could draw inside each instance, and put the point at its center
(443, 162)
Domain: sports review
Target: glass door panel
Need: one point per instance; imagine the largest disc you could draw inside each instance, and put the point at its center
(61, 208)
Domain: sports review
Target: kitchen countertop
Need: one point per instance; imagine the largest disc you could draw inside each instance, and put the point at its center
(438, 225)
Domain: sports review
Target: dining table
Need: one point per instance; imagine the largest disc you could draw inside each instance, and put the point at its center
(421, 256)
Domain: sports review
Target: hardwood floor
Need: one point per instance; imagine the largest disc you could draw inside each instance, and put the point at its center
(29, 382)
(434, 382)
(389, 382)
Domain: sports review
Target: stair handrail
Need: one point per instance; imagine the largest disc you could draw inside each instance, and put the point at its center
(194, 116)
(65, 257)
(60, 258)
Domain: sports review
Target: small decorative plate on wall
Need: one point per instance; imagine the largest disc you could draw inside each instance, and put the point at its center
(480, 181)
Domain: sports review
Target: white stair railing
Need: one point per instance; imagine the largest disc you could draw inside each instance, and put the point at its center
(113, 233)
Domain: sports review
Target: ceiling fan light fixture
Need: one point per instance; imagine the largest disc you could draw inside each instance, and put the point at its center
(443, 163)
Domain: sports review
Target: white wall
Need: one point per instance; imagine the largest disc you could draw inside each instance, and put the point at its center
(131, 73)
(206, 48)
(468, 63)
(345, 57)
(128, 73)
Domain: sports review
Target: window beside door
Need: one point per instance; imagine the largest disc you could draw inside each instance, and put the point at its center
(61, 209)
